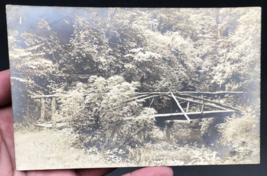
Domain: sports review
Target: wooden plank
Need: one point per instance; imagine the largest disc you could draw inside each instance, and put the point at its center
(50, 125)
(138, 118)
(180, 107)
(183, 121)
(152, 92)
(179, 116)
(178, 121)
(193, 113)
(195, 92)
(212, 93)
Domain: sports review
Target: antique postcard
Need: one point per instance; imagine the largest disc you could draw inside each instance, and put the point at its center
(127, 87)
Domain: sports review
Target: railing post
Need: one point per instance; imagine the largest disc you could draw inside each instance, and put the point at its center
(188, 119)
(54, 121)
(171, 105)
(187, 108)
(168, 133)
(42, 118)
(202, 107)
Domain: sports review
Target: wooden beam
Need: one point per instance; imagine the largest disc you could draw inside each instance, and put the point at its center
(133, 98)
(212, 93)
(183, 121)
(140, 100)
(50, 125)
(138, 118)
(51, 96)
(64, 95)
(179, 121)
(195, 92)
(171, 105)
(46, 96)
(151, 102)
(54, 95)
(179, 92)
(145, 118)
(198, 102)
(180, 107)
(152, 92)
(193, 113)
(187, 107)
(177, 117)
(213, 102)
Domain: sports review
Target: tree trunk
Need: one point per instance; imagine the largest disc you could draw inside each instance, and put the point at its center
(28, 111)
(218, 33)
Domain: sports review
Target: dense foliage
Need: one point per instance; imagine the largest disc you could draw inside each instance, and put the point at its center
(104, 56)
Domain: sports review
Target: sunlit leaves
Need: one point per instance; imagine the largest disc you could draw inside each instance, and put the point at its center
(43, 24)
(242, 133)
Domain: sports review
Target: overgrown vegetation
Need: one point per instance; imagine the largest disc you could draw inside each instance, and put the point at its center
(103, 57)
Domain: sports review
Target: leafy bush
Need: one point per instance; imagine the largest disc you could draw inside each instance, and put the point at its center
(242, 134)
(97, 112)
(180, 131)
(199, 155)
(205, 123)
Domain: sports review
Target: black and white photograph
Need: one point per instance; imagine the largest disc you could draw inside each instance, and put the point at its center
(134, 87)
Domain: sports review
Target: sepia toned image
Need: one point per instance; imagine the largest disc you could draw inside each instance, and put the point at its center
(128, 87)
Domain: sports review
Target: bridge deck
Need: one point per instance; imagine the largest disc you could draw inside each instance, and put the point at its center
(193, 115)
(182, 117)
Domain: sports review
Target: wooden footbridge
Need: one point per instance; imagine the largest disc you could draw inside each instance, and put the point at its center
(183, 116)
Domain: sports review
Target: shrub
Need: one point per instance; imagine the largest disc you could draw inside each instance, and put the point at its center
(242, 134)
(97, 111)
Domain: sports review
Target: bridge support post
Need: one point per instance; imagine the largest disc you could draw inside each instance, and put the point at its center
(168, 126)
(202, 106)
(187, 108)
(42, 118)
(53, 118)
